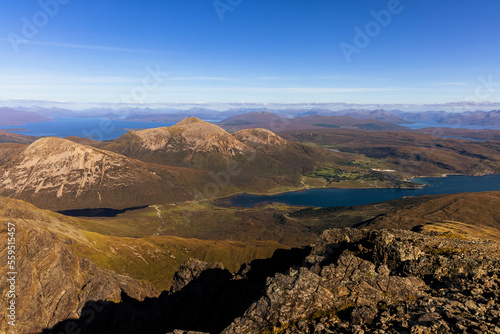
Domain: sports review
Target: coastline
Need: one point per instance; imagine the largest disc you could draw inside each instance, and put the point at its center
(227, 200)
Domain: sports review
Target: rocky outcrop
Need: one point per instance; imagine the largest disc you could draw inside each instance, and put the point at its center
(390, 281)
(204, 297)
(350, 281)
(191, 270)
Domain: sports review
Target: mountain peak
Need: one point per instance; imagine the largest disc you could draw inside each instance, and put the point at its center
(189, 121)
(55, 163)
(47, 149)
(52, 141)
(194, 126)
(55, 173)
(50, 145)
(190, 134)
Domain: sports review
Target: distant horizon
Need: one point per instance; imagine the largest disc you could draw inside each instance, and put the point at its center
(459, 106)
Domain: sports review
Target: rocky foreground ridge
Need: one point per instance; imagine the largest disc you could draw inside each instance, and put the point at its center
(350, 281)
(52, 283)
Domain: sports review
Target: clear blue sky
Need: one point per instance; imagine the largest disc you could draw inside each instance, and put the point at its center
(262, 51)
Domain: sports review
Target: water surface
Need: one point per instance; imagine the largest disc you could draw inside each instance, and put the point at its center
(348, 197)
(87, 127)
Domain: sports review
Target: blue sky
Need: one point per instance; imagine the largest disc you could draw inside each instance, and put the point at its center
(428, 51)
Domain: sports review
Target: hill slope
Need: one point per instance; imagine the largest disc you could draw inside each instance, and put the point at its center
(53, 283)
(58, 174)
(483, 134)
(10, 137)
(470, 214)
(380, 114)
(62, 268)
(191, 142)
(9, 151)
(410, 153)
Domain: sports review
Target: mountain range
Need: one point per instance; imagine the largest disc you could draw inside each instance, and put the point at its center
(190, 160)
(10, 116)
(194, 159)
(254, 159)
(238, 117)
(279, 123)
(174, 256)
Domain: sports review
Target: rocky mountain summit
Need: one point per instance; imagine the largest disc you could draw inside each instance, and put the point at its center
(350, 281)
(256, 159)
(191, 134)
(182, 144)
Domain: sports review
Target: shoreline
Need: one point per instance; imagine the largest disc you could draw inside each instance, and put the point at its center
(225, 201)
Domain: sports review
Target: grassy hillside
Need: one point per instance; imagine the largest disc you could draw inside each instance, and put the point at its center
(471, 214)
(484, 134)
(10, 137)
(9, 151)
(203, 220)
(408, 153)
(152, 258)
(156, 259)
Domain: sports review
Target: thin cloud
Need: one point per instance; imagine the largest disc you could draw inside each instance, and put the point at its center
(201, 78)
(327, 77)
(450, 84)
(321, 90)
(90, 47)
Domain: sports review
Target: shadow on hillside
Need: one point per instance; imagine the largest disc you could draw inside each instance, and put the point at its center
(209, 303)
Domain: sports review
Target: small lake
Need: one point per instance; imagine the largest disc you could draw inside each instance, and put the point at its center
(98, 212)
(349, 197)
